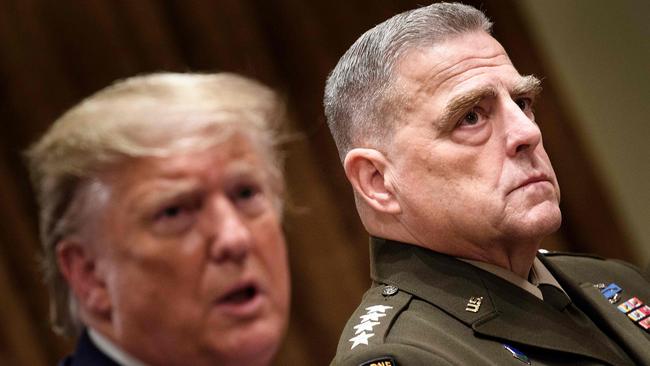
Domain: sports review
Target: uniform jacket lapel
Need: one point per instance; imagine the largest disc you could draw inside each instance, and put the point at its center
(506, 312)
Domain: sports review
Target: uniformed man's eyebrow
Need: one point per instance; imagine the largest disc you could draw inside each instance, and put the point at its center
(528, 84)
(466, 101)
(525, 85)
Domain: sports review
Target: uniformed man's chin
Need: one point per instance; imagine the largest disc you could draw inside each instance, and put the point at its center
(542, 223)
(534, 224)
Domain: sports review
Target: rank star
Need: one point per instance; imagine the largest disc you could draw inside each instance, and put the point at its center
(378, 308)
(365, 326)
(361, 339)
(371, 316)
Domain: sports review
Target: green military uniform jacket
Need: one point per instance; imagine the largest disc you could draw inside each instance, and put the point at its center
(425, 308)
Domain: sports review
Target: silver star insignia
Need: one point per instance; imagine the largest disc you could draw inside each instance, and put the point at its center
(371, 316)
(361, 339)
(378, 308)
(365, 326)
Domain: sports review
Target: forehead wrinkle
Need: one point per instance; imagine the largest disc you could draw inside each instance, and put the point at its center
(454, 69)
(460, 67)
(430, 80)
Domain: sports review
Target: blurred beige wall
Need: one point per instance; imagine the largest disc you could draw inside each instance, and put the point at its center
(598, 55)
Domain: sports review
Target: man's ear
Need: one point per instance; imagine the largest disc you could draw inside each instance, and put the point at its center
(79, 267)
(365, 169)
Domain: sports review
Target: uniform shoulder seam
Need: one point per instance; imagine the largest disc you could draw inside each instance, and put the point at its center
(631, 267)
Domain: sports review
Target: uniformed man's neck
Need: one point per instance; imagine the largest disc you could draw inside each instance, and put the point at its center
(519, 264)
(516, 257)
(518, 261)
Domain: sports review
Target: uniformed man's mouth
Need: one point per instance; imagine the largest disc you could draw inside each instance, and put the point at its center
(532, 180)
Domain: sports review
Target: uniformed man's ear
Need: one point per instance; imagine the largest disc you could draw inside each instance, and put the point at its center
(78, 265)
(366, 171)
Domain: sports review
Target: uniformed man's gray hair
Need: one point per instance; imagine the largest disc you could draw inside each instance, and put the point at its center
(359, 95)
(145, 116)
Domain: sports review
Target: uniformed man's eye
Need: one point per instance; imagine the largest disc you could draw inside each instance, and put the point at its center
(524, 103)
(470, 118)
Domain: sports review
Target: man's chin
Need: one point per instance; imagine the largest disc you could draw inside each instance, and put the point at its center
(536, 223)
(542, 224)
(255, 345)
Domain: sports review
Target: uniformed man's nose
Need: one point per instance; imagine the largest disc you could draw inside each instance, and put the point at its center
(522, 134)
(231, 238)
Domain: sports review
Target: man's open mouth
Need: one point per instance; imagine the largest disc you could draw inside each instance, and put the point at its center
(240, 295)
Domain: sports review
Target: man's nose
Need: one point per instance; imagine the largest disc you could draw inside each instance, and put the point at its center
(522, 133)
(230, 238)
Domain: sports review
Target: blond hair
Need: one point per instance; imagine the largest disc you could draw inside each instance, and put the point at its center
(150, 115)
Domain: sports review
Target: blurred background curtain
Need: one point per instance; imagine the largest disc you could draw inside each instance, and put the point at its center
(53, 53)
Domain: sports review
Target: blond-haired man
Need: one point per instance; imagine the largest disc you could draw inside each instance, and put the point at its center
(160, 212)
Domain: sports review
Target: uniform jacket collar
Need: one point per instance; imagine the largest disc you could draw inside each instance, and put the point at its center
(507, 312)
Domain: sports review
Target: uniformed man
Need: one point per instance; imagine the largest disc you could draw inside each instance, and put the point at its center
(436, 132)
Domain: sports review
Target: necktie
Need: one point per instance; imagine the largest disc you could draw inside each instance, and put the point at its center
(554, 296)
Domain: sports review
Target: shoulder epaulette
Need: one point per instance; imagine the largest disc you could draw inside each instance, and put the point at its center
(373, 319)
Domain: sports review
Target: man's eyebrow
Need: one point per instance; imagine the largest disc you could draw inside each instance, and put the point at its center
(464, 102)
(527, 85)
(162, 191)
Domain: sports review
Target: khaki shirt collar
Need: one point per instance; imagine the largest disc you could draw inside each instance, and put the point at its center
(538, 275)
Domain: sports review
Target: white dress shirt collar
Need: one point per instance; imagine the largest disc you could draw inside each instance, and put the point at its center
(111, 350)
